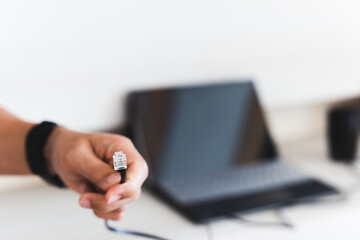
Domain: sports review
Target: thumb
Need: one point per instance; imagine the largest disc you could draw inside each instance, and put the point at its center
(101, 174)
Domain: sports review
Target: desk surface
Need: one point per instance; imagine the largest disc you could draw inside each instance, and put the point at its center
(42, 212)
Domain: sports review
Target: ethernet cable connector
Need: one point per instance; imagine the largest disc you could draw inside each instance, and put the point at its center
(119, 160)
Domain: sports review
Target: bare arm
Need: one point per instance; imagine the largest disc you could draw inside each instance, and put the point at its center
(12, 144)
(83, 162)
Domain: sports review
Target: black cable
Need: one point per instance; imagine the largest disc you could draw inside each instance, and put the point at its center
(123, 175)
(283, 221)
(134, 233)
(209, 231)
(120, 158)
(286, 222)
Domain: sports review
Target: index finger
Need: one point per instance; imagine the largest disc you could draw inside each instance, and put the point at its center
(137, 169)
(137, 172)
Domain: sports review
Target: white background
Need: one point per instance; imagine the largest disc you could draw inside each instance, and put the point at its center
(72, 61)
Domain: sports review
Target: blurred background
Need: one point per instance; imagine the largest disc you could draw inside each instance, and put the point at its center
(74, 61)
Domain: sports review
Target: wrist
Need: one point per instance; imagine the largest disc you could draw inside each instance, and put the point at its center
(50, 147)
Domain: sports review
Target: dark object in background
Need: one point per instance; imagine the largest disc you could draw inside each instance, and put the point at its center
(343, 130)
(210, 152)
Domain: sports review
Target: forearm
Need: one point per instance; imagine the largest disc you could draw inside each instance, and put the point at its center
(13, 132)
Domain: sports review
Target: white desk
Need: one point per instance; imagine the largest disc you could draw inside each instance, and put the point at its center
(42, 212)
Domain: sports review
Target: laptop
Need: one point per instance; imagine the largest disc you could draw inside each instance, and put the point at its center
(210, 152)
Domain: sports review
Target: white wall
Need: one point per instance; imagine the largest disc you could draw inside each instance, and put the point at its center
(72, 61)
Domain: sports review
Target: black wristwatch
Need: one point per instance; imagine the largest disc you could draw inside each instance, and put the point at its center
(34, 150)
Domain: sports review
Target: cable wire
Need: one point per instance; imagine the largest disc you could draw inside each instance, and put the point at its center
(283, 221)
(134, 233)
(209, 231)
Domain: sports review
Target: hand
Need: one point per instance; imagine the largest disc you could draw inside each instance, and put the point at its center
(84, 163)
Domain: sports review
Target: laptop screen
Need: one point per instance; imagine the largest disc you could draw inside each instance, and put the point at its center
(192, 130)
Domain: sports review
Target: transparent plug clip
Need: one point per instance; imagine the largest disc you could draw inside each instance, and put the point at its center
(120, 161)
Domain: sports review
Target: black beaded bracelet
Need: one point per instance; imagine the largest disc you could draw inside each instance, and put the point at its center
(34, 147)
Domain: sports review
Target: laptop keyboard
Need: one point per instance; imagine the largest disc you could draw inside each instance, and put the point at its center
(233, 182)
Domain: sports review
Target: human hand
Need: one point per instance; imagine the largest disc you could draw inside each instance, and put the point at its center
(84, 163)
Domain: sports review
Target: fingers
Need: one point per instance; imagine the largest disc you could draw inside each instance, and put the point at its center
(98, 172)
(137, 170)
(136, 174)
(114, 215)
(97, 202)
(128, 190)
(101, 208)
(118, 143)
(80, 186)
(102, 175)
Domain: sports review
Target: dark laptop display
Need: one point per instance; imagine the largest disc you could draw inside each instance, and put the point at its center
(209, 149)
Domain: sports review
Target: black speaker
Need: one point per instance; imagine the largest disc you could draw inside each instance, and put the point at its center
(343, 130)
